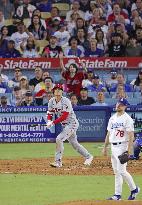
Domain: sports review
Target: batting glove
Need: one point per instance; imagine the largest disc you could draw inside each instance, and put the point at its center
(49, 124)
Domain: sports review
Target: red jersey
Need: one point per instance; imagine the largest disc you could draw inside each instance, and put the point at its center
(112, 17)
(74, 84)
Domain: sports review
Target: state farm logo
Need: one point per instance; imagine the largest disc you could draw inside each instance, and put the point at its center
(25, 64)
(105, 63)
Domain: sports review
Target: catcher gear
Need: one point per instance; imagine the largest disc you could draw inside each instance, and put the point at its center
(124, 157)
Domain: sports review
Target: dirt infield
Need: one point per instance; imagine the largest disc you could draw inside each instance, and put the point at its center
(103, 203)
(71, 166)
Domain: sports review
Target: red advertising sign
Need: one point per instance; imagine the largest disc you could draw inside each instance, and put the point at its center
(53, 63)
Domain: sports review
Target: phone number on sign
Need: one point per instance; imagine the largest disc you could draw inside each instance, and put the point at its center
(26, 134)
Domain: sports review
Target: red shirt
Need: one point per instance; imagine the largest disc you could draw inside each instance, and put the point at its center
(74, 84)
(112, 17)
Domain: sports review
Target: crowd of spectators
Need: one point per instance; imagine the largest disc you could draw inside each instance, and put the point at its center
(109, 28)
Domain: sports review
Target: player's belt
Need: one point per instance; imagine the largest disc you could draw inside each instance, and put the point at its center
(117, 143)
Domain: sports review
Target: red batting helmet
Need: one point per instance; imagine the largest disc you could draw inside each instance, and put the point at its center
(58, 86)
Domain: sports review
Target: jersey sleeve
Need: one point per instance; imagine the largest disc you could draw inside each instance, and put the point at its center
(129, 125)
(109, 125)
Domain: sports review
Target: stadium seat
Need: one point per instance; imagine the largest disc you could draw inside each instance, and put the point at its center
(63, 7)
(8, 22)
(45, 15)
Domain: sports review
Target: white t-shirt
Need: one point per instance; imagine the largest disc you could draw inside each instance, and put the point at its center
(63, 38)
(118, 126)
(19, 38)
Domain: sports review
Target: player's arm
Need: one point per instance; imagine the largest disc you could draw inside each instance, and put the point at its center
(130, 142)
(61, 62)
(104, 151)
(61, 118)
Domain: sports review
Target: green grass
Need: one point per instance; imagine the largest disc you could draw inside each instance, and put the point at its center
(16, 189)
(41, 150)
(44, 190)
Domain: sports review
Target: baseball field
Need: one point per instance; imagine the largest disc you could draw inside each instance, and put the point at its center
(27, 179)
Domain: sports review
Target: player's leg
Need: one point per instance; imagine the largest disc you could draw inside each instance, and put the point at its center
(80, 149)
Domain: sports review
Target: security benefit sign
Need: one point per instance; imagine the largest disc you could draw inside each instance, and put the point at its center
(92, 123)
(24, 124)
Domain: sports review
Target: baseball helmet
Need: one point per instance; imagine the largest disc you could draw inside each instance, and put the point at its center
(58, 86)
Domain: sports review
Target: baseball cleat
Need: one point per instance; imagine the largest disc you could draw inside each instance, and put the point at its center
(134, 194)
(56, 164)
(88, 161)
(115, 197)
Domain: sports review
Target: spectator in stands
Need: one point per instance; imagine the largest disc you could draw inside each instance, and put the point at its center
(41, 85)
(74, 99)
(133, 49)
(139, 35)
(62, 36)
(10, 51)
(84, 99)
(21, 36)
(88, 81)
(72, 76)
(116, 48)
(71, 25)
(112, 80)
(75, 8)
(53, 27)
(25, 10)
(54, 13)
(1, 19)
(97, 85)
(30, 51)
(84, 5)
(37, 12)
(4, 38)
(80, 23)
(118, 15)
(13, 27)
(24, 84)
(136, 82)
(4, 77)
(93, 51)
(17, 96)
(89, 13)
(4, 88)
(7, 8)
(74, 50)
(100, 99)
(82, 38)
(44, 5)
(101, 40)
(29, 100)
(52, 50)
(105, 6)
(4, 102)
(97, 14)
(137, 5)
(120, 92)
(121, 81)
(40, 95)
(37, 29)
(120, 29)
(15, 81)
(37, 79)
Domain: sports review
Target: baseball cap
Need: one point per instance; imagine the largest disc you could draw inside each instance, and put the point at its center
(123, 101)
(28, 93)
(57, 18)
(58, 86)
(24, 77)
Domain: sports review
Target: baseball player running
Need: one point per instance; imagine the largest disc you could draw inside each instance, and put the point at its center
(120, 135)
(61, 106)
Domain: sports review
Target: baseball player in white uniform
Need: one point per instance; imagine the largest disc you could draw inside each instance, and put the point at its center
(120, 135)
(61, 106)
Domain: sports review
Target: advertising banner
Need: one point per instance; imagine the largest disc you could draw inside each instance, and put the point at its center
(91, 62)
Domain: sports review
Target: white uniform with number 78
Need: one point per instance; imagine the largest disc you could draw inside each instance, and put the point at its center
(118, 126)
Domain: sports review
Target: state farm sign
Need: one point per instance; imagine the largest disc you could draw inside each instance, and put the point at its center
(54, 63)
